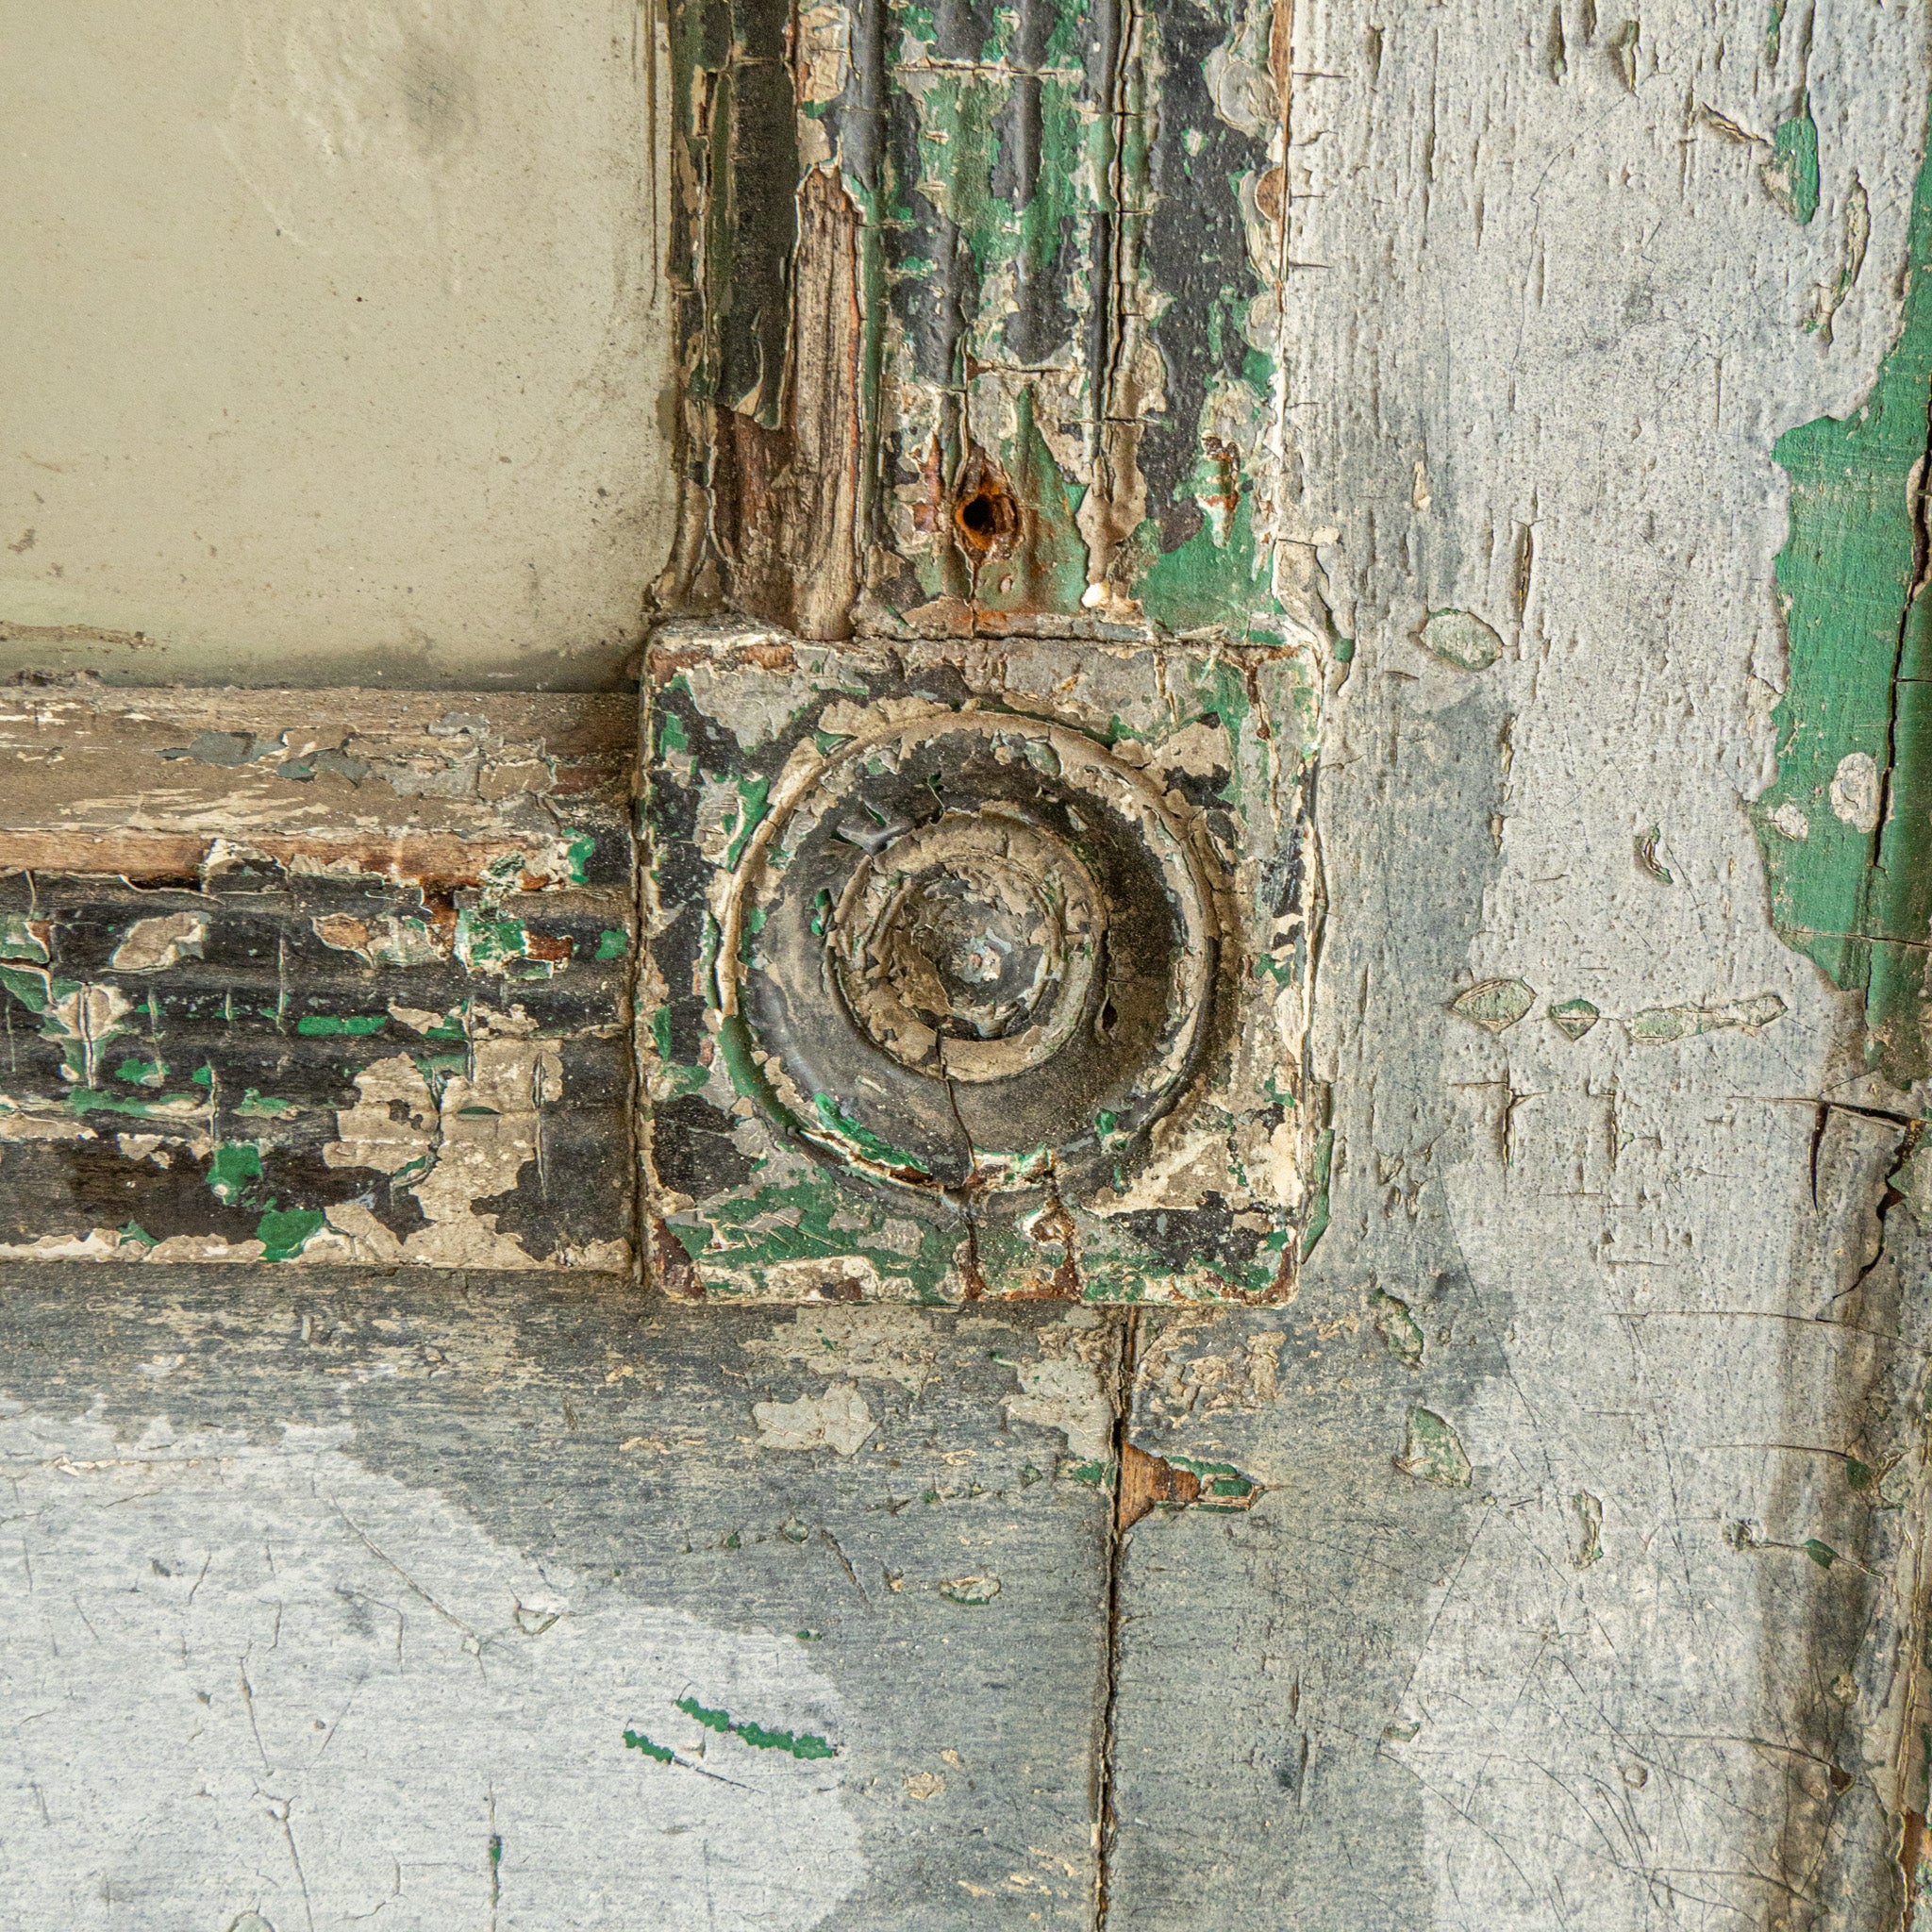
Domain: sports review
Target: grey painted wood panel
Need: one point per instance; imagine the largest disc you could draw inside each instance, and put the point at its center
(491, 1603)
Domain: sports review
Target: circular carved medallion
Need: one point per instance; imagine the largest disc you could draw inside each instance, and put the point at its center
(968, 949)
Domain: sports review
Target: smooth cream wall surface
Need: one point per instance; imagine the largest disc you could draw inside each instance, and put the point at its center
(336, 340)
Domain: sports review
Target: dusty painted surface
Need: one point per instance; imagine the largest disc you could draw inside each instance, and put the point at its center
(978, 970)
(276, 993)
(1585, 1585)
(1547, 1549)
(462, 1605)
(339, 329)
(982, 310)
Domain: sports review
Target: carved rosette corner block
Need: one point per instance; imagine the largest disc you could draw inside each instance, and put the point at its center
(975, 971)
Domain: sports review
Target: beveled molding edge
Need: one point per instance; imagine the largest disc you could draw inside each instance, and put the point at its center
(316, 977)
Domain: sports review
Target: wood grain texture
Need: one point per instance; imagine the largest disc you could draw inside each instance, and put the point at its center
(1586, 1587)
(280, 990)
(1550, 1553)
(982, 315)
(463, 1603)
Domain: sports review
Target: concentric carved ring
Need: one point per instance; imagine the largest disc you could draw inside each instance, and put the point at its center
(967, 949)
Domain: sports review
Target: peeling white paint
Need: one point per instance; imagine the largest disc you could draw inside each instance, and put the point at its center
(471, 1142)
(838, 1419)
(149, 944)
(879, 1343)
(1063, 1393)
(1855, 791)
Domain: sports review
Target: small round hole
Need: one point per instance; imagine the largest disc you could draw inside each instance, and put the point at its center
(977, 517)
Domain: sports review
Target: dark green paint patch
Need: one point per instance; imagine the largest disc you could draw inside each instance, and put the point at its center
(1095, 1475)
(799, 1744)
(719, 1721)
(1222, 1485)
(37, 992)
(282, 1231)
(22, 937)
(326, 1025)
(1213, 580)
(752, 793)
(659, 1754)
(234, 1165)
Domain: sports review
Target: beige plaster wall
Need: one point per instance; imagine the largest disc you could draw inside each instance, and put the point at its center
(336, 335)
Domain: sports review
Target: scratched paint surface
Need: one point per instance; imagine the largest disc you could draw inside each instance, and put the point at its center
(391, 1602)
(269, 993)
(1587, 1586)
(982, 308)
(759, 1185)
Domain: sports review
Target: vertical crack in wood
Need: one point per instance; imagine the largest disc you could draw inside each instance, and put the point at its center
(1105, 1818)
(1116, 421)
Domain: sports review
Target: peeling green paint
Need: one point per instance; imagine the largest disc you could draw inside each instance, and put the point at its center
(800, 1744)
(835, 1118)
(766, 1225)
(1095, 1475)
(325, 1026)
(1401, 1333)
(612, 943)
(1494, 1005)
(37, 992)
(1792, 172)
(970, 1593)
(1317, 1220)
(752, 793)
(1432, 1452)
(282, 1231)
(1222, 1485)
(1572, 1018)
(662, 1753)
(1661, 1026)
(488, 941)
(231, 1169)
(1845, 828)
(22, 937)
(712, 1720)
